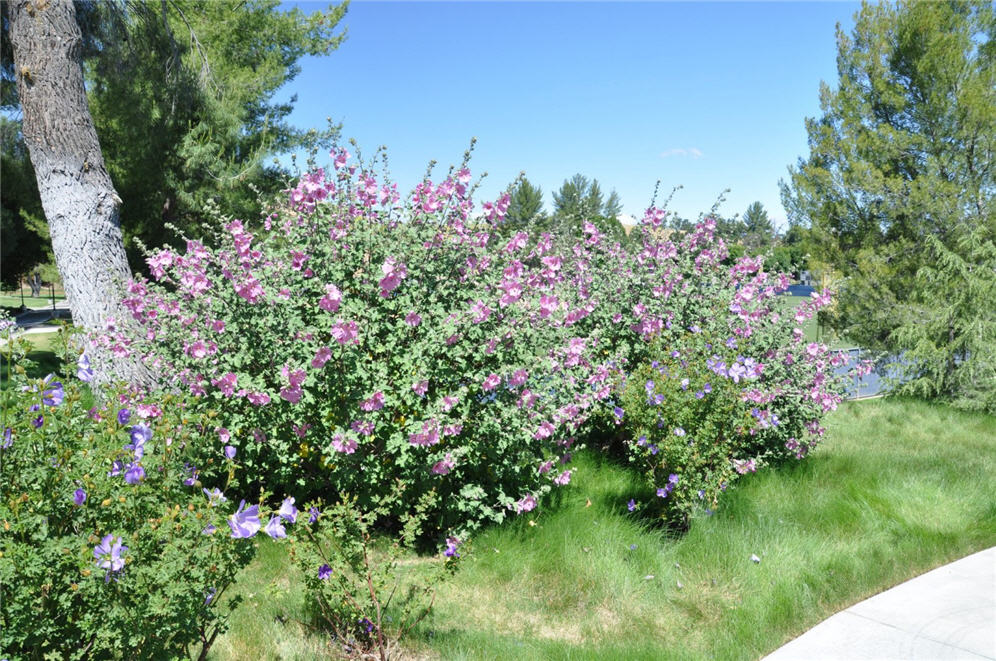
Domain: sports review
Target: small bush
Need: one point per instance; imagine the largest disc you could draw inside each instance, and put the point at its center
(110, 546)
(358, 590)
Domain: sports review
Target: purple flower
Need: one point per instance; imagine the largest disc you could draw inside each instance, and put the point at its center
(452, 544)
(210, 596)
(116, 467)
(631, 505)
(54, 395)
(313, 514)
(679, 431)
(209, 529)
(618, 413)
(672, 479)
(83, 371)
(192, 470)
(324, 572)
(108, 554)
(275, 529)
(632, 547)
(699, 395)
(215, 496)
(245, 522)
(38, 422)
(8, 438)
(134, 473)
(662, 493)
(79, 497)
(124, 415)
(707, 388)
(229, 452)
(287, 510)
(140, 434)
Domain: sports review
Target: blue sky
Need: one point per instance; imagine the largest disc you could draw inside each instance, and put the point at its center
(704, 95)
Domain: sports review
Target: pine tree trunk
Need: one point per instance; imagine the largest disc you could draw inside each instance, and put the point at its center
(77, 195)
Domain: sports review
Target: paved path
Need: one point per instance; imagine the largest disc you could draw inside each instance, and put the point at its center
(948, 613)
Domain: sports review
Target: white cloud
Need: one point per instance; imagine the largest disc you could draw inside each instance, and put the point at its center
(693, 152)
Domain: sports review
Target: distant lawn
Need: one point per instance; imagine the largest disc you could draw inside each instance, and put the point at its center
(898, 488)
(811, 329)
(43, 354)
(15, 301)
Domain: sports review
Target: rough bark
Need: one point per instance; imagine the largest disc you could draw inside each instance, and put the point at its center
(77, 194)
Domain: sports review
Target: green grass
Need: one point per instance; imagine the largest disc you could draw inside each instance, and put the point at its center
(29, 301)
(43, 353)
(898, 488)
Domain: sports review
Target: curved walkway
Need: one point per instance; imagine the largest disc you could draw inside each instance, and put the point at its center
(947, 613)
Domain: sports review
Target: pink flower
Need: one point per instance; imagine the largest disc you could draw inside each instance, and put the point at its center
(331, 300)
(491, 382)
(548, 305)
(445, 466)
(375, 403)
(394, 272)
(545, 430)
(226, 384)
(428, 436)
(512, 292)
(292, 395)
(413, 319)
(518, 378)
(301, 430)
(448, 403)
(480, 311)
(526, 504)
(345, 332)
(340, 159)
(545, 467)
(341, 444)
(258, 398)
(563, 478)
(322, 356)
(420, 387)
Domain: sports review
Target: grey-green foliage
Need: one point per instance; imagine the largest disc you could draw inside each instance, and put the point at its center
(901, 161)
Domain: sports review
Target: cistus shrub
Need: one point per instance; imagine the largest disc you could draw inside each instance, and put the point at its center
(360, 343)
(725, 382)
(113, 539)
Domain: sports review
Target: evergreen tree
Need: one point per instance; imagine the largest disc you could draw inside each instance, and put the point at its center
(759, 233)
(901, 161)
(525, 208)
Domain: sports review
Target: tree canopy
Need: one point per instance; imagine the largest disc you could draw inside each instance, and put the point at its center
(183, 96)
(901, 164)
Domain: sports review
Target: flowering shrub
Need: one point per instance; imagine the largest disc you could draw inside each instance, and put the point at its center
(112, 544)
(720, 381)
(357, 340)
(357, 587)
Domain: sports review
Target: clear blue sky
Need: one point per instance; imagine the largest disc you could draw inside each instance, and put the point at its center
(704, 95)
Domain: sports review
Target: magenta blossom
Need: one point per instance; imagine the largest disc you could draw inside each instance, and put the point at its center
(445, 466)
(491, 382)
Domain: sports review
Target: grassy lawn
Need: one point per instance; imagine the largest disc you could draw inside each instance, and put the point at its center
(43, 353)
(898, 488)
(8, 301)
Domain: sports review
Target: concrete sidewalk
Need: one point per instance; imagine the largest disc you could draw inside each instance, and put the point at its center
(948, 613)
